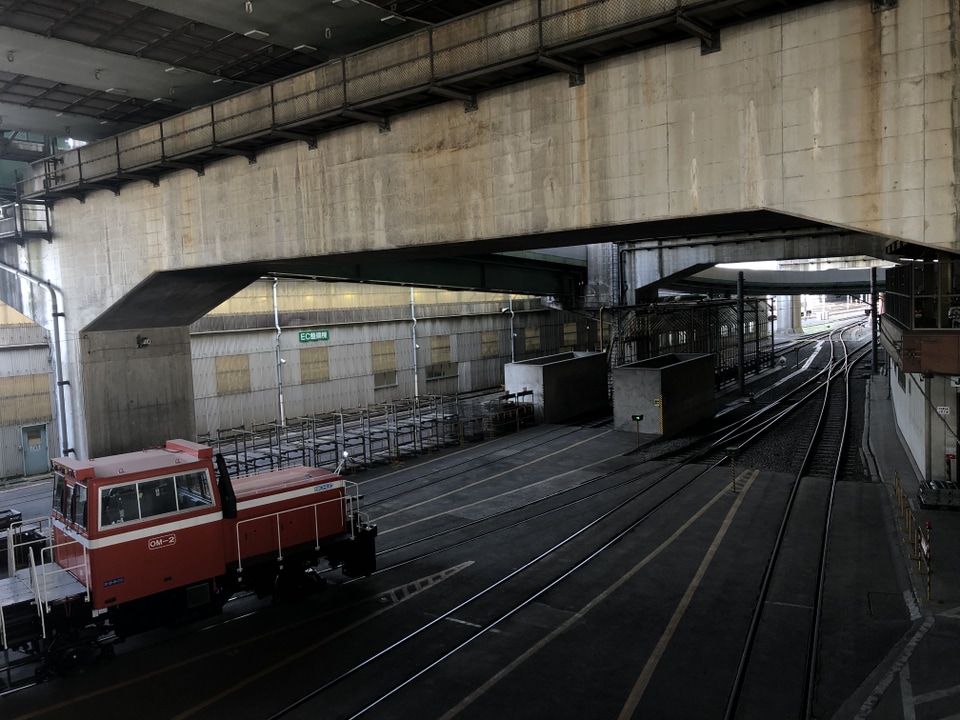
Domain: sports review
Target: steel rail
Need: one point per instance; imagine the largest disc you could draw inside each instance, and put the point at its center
(837, 369)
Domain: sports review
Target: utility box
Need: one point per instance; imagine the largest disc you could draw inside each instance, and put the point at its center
(564, 386)
(672, 393)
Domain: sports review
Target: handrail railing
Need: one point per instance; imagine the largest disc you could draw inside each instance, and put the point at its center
(59, 569)
(342, 500)
(506, 33)
(34, 581)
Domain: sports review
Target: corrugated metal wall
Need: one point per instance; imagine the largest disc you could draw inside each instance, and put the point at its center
(234, 352)
(350, 365)
(26, 390)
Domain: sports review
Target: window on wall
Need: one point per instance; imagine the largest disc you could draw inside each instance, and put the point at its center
(440, 365)
(384, 355)
(440, 348)
(490, 344)
(435, 371)
(569, 336)
(233, 374)
(314, 365)
(531, 339)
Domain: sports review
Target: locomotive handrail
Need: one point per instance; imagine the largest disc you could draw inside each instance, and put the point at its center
(84, 564)
(351, 499)
(16, 530)
(34, 580)
(3, 630)
(276, 515)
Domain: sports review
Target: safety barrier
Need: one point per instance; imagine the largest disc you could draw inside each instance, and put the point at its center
(915, 533)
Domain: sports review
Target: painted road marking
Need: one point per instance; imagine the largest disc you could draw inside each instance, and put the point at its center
(633, 700)
(871, 702)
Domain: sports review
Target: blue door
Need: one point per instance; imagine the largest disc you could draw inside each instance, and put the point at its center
(36, 455)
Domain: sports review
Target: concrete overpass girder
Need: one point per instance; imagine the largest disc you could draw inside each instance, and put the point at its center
(652, 264)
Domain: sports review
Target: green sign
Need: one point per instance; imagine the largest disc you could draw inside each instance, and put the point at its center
(314, 335)
(638, 418)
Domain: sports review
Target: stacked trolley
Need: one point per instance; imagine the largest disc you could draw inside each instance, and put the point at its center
(138, 540)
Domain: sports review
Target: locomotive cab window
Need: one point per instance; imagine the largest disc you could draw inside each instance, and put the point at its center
(193, 490)
(154, 497)
(59, 484)
(119, 504)
(157, 497)
(78, 506)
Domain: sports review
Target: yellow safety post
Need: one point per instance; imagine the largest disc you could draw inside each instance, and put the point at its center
(732, 452)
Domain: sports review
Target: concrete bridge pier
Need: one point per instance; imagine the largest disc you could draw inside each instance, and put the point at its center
(137, 388)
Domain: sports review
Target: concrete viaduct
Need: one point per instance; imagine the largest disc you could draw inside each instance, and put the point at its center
(829, 129)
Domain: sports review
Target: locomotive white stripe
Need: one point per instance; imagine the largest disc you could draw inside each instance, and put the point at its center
(290, 495)
(139, 532)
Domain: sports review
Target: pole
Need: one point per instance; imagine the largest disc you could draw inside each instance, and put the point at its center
(416, 372)
(773, 323)
(875, 321)
(276, 322)
(513, 336)
(740, 344)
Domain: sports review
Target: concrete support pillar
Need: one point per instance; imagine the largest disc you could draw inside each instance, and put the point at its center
(793, 315)
(137, 388)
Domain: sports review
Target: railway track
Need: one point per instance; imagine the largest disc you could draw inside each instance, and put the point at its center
(826, 440)
(575, 560)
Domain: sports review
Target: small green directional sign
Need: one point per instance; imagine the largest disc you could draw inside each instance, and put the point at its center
(314, 335)
(638, 418)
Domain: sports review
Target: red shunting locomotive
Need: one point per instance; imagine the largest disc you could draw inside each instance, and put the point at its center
(141, 539)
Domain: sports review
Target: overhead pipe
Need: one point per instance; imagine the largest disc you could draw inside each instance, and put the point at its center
(66, 445)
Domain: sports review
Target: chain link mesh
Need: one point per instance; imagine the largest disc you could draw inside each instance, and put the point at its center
(141, 155)
(408, 74)
(244, 114)
(99, 159)
(188, 132)
(510, 44)
(499, 35)
(591, 19)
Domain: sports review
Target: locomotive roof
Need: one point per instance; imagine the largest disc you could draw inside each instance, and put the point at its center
(117, 466)
(288, 478)
(169, 458)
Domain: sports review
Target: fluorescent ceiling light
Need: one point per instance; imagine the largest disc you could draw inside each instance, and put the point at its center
(256, 34)
(176, 70)
(345, 3)
(117, 91)
(222, 80)
(392, 20)
(163, 100)
(305, 48)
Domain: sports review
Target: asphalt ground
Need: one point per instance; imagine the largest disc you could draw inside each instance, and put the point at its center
(651, 627)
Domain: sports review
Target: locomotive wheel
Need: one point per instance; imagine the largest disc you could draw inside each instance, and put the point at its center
(65, 656)
(296, 583)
